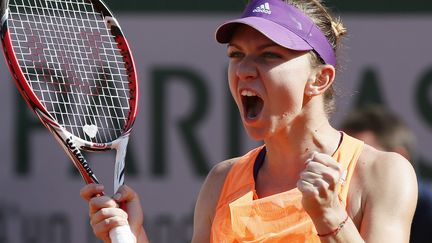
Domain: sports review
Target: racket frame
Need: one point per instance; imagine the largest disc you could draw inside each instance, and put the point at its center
(70, 143)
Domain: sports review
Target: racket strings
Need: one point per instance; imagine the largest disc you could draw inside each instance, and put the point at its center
(73, 65)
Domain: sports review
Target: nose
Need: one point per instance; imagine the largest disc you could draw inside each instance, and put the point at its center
(246, 69)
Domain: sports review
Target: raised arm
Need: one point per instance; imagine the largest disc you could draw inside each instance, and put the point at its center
(381, 203)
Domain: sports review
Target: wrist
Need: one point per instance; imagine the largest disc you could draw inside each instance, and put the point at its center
(330, 222)
(336, 230)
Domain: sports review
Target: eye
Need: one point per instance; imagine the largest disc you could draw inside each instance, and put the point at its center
(235, 54)
(269, 54)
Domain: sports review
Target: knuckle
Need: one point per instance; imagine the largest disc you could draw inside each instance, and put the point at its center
(319, 184)
(302, 176)
(92, 203)
(103, 212)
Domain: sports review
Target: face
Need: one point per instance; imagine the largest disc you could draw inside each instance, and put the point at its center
(267, 82)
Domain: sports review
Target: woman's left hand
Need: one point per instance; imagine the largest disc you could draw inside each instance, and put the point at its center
(319, 183)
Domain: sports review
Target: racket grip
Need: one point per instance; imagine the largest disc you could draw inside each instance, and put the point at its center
(122, 234)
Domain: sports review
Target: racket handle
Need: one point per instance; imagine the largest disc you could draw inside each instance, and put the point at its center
(122, 234)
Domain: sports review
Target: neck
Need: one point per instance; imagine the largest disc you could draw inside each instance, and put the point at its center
(288, 150)
(291, 146)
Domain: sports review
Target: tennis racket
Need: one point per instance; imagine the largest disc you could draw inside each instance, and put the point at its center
(73, 66)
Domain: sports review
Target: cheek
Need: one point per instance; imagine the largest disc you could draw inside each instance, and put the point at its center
(232, 83)
(286, 101)
(288, 92)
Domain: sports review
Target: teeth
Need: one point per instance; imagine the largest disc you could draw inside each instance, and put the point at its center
(248, 93)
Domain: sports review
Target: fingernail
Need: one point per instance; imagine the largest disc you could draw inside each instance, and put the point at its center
(99, 187)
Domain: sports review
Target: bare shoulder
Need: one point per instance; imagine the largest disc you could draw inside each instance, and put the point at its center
(386, 192)
(216, 177)
(221, 169)
(208, 198)
(214, 182)
(381, 170)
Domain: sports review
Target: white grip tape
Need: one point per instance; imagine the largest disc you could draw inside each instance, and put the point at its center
(122, 234)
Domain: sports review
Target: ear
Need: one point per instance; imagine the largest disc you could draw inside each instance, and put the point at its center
(321, 79)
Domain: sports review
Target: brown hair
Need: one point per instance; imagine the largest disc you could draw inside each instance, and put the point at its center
(389, 129)
(332, 28)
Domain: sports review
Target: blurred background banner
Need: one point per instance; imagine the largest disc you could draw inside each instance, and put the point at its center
(187, 120)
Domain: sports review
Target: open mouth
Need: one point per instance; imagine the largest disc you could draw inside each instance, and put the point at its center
(252, 103)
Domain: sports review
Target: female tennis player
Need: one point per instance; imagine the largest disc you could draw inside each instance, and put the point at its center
(309, 182)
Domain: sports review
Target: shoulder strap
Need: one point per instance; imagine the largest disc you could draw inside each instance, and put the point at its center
(240, 178)
(348, 154)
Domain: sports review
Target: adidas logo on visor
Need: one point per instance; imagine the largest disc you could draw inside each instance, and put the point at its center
(263, 8)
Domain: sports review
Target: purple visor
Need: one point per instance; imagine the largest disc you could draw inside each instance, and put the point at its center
(284, 24)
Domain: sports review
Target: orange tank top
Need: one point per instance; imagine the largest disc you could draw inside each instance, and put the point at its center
(243, 217)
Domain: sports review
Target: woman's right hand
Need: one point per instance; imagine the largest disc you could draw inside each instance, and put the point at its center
(105, 213)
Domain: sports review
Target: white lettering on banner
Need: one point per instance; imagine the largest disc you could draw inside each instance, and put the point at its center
(181, 53)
